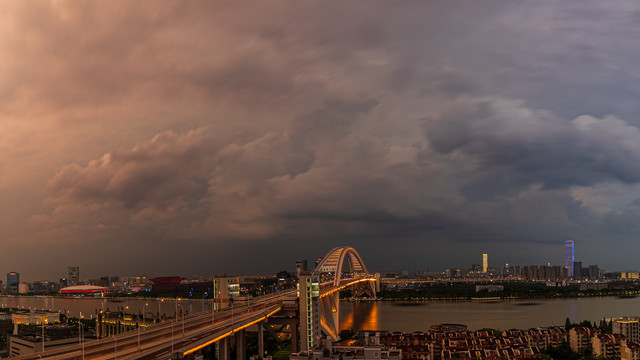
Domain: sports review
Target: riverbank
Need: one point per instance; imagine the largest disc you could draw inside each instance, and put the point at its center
(494, 298)
(510, 291)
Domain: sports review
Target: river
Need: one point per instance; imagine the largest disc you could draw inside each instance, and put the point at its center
(520, 314)
(379, 315)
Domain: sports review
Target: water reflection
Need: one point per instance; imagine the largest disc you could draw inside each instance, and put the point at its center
(360, 316)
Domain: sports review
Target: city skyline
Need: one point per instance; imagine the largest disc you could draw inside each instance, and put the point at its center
(589, 272)
(184, 138)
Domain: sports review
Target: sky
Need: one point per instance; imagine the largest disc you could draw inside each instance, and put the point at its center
(195, 137)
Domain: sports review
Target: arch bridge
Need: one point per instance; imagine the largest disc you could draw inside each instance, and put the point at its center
(341, 268)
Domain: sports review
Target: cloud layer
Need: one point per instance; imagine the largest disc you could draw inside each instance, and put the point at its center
(423, 134)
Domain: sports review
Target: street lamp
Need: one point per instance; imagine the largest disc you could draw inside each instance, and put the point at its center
(144, 309)
(231, 301)
(213, 310)
(81, 336)
(138, 324)
(182, 308)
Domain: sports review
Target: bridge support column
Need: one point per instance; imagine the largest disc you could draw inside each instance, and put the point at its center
(329, 310)
(224, 349)
(241, 346)
(295, 346)
(261, 339)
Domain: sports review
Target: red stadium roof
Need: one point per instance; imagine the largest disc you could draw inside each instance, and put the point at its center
(83, 289)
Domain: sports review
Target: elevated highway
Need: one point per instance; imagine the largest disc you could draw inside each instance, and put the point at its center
(181, 337)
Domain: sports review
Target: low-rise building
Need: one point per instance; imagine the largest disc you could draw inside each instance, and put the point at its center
(368, 347)
(607, 345)
(55, 336)
(630, 350)
(580, 338)
(489, 288)
(593, 286)
(35, 317)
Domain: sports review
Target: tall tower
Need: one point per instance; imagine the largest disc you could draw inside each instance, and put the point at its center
(485, 262)
(74, 275)
(568, 257)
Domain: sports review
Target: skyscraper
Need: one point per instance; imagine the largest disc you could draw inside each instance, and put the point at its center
(74, 275)
(485, 262)
(13, 280)
(568, 256)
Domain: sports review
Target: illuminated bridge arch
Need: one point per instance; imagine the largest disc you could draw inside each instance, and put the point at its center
(342, 267)
(334, 263)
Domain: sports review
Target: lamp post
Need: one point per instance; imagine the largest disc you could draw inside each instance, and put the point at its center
(81, 336)
(182, 308)
(144, 309)
(213, 310)
(138, 324)
(83, 343)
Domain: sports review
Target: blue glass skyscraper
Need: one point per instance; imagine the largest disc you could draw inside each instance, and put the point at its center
(568, 256)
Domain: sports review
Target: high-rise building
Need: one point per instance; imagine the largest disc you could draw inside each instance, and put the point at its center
(23, 288)
(485, 262)
(309, 292)
(594, 272)
(13, 282)
(74, 275)
(532, 272)
(628, 326)
(226, 287)
(301, 265)
(577, 270)
(568, 256)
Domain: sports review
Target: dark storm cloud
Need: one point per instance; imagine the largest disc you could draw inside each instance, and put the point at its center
(297, 126)
(519, 147)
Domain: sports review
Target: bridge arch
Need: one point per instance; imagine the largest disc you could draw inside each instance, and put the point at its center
(334, 263)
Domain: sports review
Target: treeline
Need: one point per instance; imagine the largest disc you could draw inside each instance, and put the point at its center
(514, 289)
(606, 327)
(564, 352)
